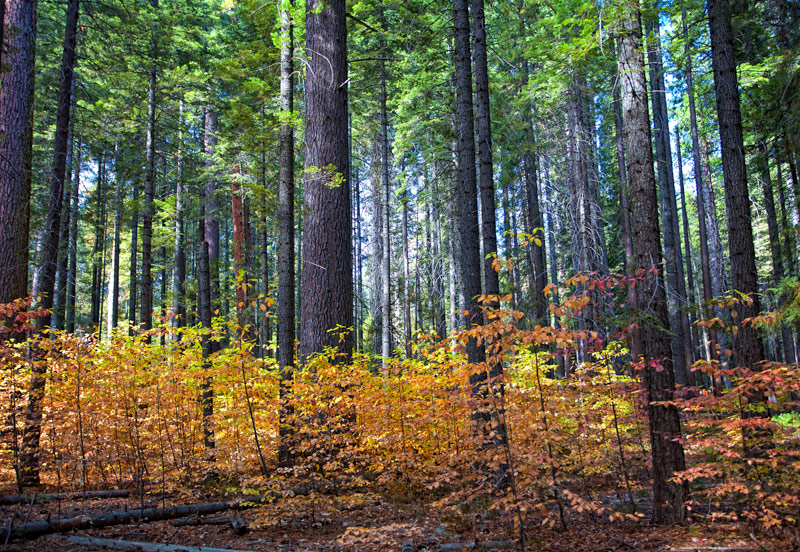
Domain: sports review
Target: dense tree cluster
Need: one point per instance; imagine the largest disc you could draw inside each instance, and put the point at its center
(351, 175)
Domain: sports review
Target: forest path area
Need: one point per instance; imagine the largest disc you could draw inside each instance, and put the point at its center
(367, 522)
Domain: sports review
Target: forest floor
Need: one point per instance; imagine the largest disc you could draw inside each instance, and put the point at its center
(371, 522)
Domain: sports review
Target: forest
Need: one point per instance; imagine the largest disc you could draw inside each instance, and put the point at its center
(370, 275)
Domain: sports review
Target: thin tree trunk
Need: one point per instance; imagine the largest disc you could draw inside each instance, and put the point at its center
(664, 421)
(386, 259)
(133, 275)
(29, 458)
(146, 314)
(204, 312)
(673, 266)
(59, 294)
(72, 269)
(406, 276)
(211, 210)
(179, 270)
(113, 287)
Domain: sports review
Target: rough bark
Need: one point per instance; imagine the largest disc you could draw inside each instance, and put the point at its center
(673, 266)
(60, 291)
(16, 140)
(327, 279)
(747, 346)
(286, 306)
(204, 313)
(29, 457)
(133, 282)
(664, 421)
(146, 305)
(485, 166)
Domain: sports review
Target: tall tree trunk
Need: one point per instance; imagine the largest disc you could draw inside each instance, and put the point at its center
(327, 279)
(240, 246)
(204, 312)
(59, 294)
(146, 314)
(664, 421)
(286, 306)
(747, 346)
(211, 209)
(179, 271)
(625, 214)
(537, 248)
(673, 266)
(686, 240)
(99, 244)
(486, 417)
(386, 260)
(485, 167)
(113, 286)
(133, 277)
(72, 269)
(33, 414)
(406, 276)
(16, 142)
(700, 186)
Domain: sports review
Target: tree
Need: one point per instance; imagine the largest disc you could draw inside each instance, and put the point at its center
(286, 318)
(327, 275)
(664, 421)
(16, 136)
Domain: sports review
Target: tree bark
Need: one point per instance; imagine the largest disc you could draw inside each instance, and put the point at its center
(748, 346)
(204, 313)
(286, 306)
(133, 275)
(59, 294)
(327, 279)
(113, 287)
(179, 270)
(16, 142)
(673, 266)
(72, 269)
(485, 166)
(664, 421)
(538, 254)
(29, 458)
(386, 230)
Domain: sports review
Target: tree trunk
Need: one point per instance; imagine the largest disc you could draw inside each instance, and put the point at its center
(286, 306)
(16, 142)
(406, 276)
(113, 287)
(625, 215)
(99, 244)
(691, 299)
(486, 417)
(179, 270)
(204, 313)
(72, 269)
(673, 266)
(386, 260)
(537, 249)
(211, 209)
(133, 275)
(327, 279)
(59, 294)
(29, 458)
(664, 421)
(747, 346)
(485, 167)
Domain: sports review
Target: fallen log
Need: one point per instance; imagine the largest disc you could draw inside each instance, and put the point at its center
(487, 545)
(53, 497)
(236, 523)
(121, 517)
(142, 546)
